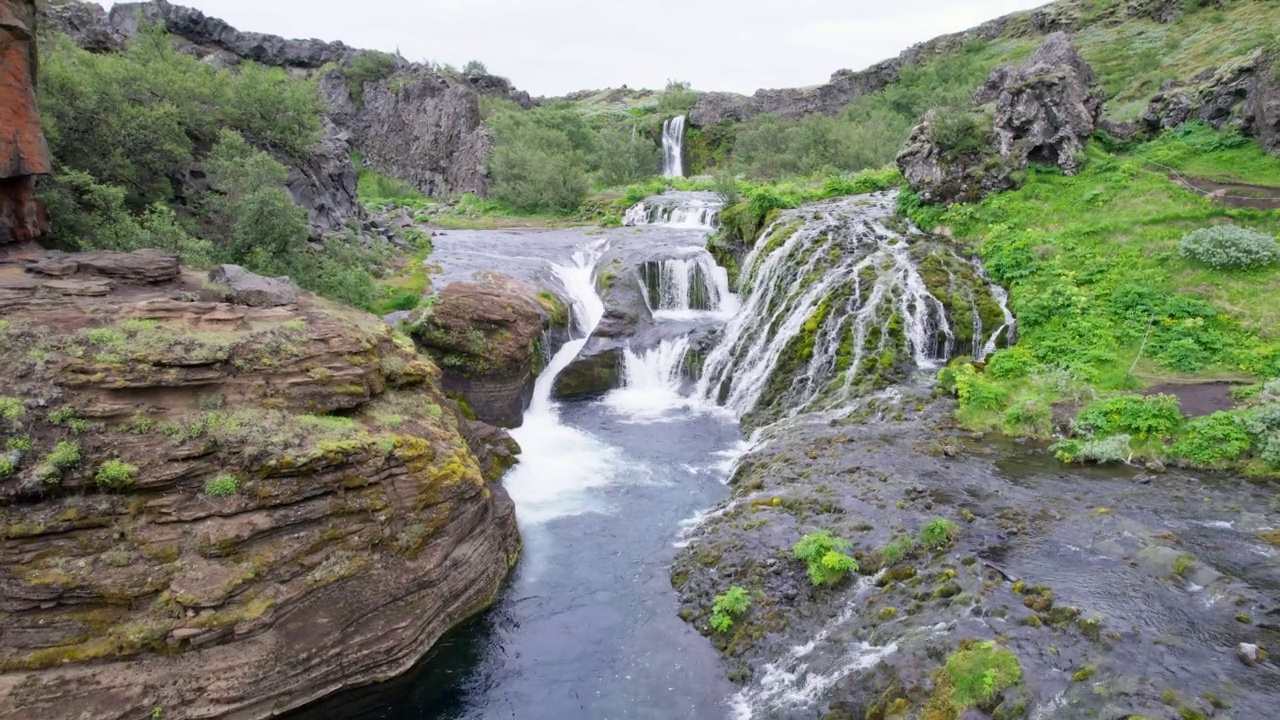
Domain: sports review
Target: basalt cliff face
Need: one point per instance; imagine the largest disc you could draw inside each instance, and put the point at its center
(23, 154)
(415, 123)
(224, 499)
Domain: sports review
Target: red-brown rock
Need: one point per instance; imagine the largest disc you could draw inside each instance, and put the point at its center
(23, 152)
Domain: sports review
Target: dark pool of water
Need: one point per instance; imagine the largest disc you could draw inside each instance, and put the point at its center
(588, 627)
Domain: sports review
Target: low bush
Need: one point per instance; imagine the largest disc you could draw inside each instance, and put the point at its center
(1230, 247)
(1213, 440)
(939, 534)
(825, 557)
(224, 485)
(115, 475)
(1142, 416)
(978, 673)
(1114, 449)
(726, 606)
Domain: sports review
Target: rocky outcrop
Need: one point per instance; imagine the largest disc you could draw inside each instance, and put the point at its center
(487, 335)
(416, 126)
(627, 318)
(246, 288)
(1044, 112)
(844, 87)
(224, 510)
(1244, 95)
(23, 153)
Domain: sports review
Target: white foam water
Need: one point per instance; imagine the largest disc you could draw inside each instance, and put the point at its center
(559, 464)
(673, 147)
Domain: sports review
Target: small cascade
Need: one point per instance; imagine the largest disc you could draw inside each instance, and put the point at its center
(559, 462)
(673, 147)
(842, 298)
(687, 288)
(1007, 330)
(651, 382)
(679, 210)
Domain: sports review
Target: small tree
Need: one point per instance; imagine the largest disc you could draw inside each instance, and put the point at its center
(474, 67)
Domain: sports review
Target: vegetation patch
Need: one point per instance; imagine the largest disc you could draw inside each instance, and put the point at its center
(825, 557)
(727, 606)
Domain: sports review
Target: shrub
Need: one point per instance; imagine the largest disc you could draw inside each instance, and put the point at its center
(897, 549)
(1212, 440)
(939, 534)
(12, 409)
(726, 605)
(1230, 247)
(65, 455)
(67, 417)
(474, 67)
(115, 475)
(1011, 364)
(224, 485)
(977, 674)
(370, 66)
(536, 168)
(1143, 417)
(677, 98)
(825, 556)
(1101, 451)
(960, 132)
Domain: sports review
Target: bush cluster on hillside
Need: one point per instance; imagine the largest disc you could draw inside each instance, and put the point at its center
(1229, 247)
(126, 128)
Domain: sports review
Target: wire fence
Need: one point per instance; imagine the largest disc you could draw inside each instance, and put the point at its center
(1215, 194)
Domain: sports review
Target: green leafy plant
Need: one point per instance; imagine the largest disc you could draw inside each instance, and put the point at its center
(1114, 449)
(825, 557)
(224, 485)
(65, 455)
(727, 605)
(1143, 417)
(1213, 440)
(939, 534)
(115, 474)
(67, 417)
(1230, 247)
(12, 409)
(978, 673)
(897, 549)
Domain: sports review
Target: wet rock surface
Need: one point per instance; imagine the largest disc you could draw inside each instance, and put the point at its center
(1121, 594)
(222, 509)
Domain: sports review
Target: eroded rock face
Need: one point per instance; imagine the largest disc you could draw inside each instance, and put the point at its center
(1245, 95)
(23, 153)
(251, 550)
(247, 288)
(1044, 112)
(419, 127)
(487, 337)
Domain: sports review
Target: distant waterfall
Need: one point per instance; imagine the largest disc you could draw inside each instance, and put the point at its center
(839, 299)
(673, 147)
(686, 287)
(677, 210)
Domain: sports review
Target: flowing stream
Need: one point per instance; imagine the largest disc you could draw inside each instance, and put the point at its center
(673, 147)
(840, 304)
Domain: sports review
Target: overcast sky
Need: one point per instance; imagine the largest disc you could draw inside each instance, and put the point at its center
(551, 47)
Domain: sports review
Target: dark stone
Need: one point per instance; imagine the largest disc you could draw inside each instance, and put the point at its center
(254, 290)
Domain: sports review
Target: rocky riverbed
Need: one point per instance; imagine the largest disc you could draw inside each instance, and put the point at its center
(1117, 592)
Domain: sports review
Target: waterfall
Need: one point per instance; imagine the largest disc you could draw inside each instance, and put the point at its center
(687, 288)
(673, 147)
(652, 382)
(559, 462)
(843, 298)
(689, 215)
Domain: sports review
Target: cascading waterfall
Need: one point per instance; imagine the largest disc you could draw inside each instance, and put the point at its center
(838, 303)
(688, 287)
(560, 462)
(678, 211)
(652, 382)
(673, 147)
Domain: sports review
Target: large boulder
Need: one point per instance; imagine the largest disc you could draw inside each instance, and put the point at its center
(248, 288)
(1042, 112)
(487, 335)
(1048, 108)
(220, 509)
(23, 152)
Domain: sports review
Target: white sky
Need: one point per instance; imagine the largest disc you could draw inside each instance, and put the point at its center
(551, 47)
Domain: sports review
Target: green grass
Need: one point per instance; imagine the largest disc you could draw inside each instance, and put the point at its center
(976, 674)
(1197, 150)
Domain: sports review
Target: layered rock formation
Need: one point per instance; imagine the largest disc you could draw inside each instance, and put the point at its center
(23, 153)
(1044, 112)
(487, 335)
(1245, 95)
(221, 509)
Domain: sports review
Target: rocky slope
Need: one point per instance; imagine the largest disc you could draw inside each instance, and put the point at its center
(23, 153)
(224, 500)
(414, 123)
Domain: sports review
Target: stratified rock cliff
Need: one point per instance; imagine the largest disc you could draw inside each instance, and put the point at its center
(220, 508)
(23, 153)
